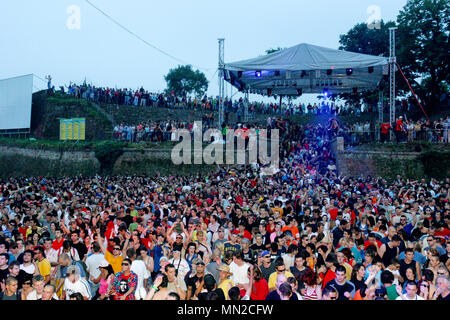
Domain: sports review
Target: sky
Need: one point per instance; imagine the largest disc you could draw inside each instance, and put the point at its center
(42, 37)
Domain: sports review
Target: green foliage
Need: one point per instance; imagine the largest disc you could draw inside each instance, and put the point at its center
(23, 166)
(50, 109)
(47, 144)
(436, 164)
(389, 168)
(423, 30)
(107, 152)
(361, 39)
(422, 48)
(185, 80)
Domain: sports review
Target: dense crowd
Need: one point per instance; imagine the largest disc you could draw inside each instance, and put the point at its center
(437, 131)
(303, 233)
(144, 98)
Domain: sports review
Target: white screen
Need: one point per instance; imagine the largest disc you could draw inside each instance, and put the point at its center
(15, 102)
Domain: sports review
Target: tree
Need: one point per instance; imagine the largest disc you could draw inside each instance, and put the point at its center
(361, 39)
(184, 80)
(422, 42)
(423, 31)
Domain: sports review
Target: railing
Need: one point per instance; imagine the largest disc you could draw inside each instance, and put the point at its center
(354, 138)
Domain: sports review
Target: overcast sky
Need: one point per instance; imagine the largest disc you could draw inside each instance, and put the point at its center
(35, 38)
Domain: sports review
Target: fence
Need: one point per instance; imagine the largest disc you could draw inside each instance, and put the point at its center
(354, 138)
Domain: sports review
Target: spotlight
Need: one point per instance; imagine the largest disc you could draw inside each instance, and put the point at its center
(258, 74)
(277, 73)
(269, 92)
(349, 71)
(325, 92)
(329, 72)
(239, 74)
(371, 69)
(299, 92)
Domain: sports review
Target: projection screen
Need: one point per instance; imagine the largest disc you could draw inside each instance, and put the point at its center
(15, 102)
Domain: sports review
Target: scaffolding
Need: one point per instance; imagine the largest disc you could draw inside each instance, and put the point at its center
(392, 67)
(221, 74)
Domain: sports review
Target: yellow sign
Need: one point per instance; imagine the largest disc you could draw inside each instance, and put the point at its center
(72, 129)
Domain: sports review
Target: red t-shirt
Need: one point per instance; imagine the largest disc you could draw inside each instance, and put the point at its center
(333, 213)
(385, 128)
(368, 243)
(57, 244)
(444, 233)
(260, 291)
(330, 275)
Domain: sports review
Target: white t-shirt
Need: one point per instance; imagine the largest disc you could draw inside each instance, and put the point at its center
(51, 255)
(288, 260)
(183, 268)
(28, 269)
(394, 272)
(139, 267)
(34, 296)
(406, 297)
(92, 263)
(81, 286)
(239, 273)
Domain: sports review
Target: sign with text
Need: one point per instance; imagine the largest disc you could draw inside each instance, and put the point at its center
(72, 129)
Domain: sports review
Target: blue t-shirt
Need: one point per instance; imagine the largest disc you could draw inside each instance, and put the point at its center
(420, 258)
(157, 254)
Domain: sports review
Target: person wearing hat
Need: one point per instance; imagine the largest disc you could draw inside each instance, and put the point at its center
(225, 282)
(104, 280)
(194, 277)
(181, 265)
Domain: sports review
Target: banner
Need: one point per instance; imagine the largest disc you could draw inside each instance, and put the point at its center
(72, 129)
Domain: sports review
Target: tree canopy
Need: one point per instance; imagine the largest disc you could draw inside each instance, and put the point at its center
(183, 80)
(421, 47)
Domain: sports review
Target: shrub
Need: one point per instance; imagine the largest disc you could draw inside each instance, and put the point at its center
(107, 152)
(436, 164)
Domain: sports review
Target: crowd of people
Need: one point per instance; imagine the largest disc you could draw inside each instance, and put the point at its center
(302, 233)
(144, 98)
(404, 131)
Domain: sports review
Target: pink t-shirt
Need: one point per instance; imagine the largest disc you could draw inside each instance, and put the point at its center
(104, 283)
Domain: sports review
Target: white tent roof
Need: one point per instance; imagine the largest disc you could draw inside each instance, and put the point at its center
(305, 67)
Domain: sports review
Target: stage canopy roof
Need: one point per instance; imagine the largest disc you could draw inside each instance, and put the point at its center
(307, 68)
